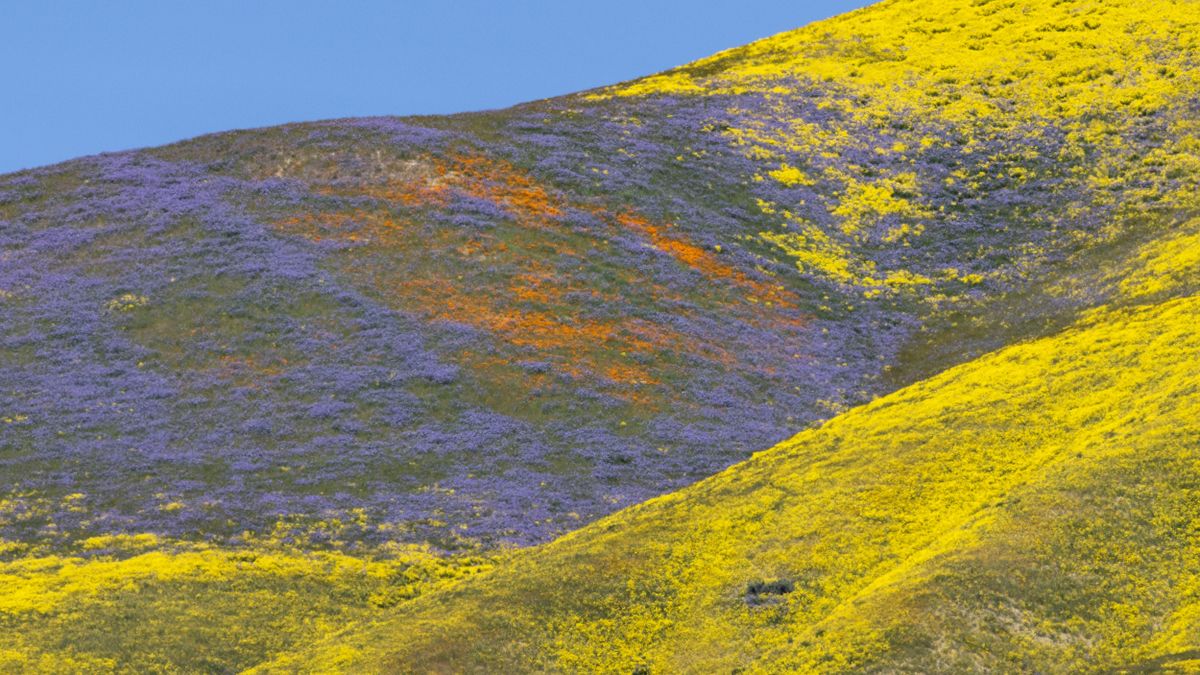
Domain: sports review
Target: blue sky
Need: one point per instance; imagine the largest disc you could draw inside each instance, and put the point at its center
(85, 77)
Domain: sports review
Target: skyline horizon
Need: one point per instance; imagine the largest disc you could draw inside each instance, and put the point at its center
(237, 67)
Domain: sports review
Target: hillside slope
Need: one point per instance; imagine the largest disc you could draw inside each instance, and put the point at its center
(259, 384)
(492, 328)
(1033, 510)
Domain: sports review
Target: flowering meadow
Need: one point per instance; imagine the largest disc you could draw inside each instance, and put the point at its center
(488, 388)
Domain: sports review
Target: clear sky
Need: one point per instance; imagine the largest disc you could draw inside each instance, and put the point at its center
(82, 77)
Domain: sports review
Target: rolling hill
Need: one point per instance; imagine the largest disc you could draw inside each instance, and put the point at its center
(943, 257)
(1034, 510)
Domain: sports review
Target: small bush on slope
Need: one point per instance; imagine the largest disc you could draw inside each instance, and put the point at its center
(1035, 509)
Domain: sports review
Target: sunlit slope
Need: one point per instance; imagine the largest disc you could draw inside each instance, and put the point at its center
(1036, 509)
(995, 56)
(939, 126)
(142, 605)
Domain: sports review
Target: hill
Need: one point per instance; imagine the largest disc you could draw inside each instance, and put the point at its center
(1033, 510)
(354, 361)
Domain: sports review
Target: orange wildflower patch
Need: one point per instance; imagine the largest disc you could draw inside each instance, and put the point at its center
(541, 311)
(355, 225)
(500, 182)
(705, 262)
(538, 287)
(581, 343)
(494, 180)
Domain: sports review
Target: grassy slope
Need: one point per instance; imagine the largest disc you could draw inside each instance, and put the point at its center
(1034, 509)
(138, 604)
